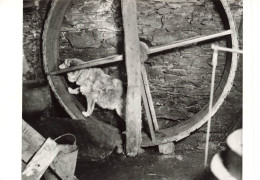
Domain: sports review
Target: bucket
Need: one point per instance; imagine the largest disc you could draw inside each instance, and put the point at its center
(64, 164)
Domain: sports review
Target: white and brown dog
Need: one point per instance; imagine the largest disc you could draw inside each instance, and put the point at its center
(99, 88)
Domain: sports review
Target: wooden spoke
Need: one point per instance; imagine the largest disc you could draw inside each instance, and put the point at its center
(147, 111)
(116, 58)
(189, 41)
(149, 97)
(95, 62)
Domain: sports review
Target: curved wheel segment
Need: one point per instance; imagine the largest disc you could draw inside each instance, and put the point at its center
(160, 136)
(184, 129)
(59, 85)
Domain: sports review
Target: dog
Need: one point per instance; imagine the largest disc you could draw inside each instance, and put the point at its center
(98, 88)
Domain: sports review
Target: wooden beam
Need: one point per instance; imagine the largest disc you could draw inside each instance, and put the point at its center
(133, 70)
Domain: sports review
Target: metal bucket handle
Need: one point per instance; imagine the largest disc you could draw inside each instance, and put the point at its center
(67, 134)
(65, 163)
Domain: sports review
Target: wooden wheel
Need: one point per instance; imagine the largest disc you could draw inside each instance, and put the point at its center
(161, 136)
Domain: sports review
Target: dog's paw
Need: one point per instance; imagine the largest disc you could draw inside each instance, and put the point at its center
(73, 91)
(119, 150)
(86, 114)
(62, 66)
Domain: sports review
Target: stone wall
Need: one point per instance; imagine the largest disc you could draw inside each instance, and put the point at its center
(179, 79)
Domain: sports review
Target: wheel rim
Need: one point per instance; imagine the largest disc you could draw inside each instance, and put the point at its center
(74, 108)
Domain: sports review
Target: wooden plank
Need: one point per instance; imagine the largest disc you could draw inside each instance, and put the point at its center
(32, 141)
(133, 64)
(41, 160)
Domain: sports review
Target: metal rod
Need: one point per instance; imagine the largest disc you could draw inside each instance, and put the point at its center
(216, 47)
(188, 41)
(214, 64)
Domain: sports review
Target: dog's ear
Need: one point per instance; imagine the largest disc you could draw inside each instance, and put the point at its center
(72, 62)
(67, 62)
(76, 61)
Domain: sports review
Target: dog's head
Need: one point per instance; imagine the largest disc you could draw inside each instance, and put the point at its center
(72, 76)
(70, 62)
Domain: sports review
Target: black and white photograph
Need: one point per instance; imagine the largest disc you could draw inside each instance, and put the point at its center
(131, 89)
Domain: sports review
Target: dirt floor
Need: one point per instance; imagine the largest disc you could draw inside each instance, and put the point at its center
(185, 165)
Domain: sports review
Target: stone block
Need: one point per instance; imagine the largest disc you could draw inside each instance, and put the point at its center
(175, 23)
(163, 11)
(163, 37)
(167, 148)
(82, 40)
(171, 113)
(152, 20)
(171, 78)
(115, 41)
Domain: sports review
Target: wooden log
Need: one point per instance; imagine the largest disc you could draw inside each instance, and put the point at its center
(133, 64)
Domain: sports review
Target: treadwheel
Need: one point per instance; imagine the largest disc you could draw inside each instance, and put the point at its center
(74, 108)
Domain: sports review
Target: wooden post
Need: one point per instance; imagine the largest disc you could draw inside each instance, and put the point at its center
(133, 70)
